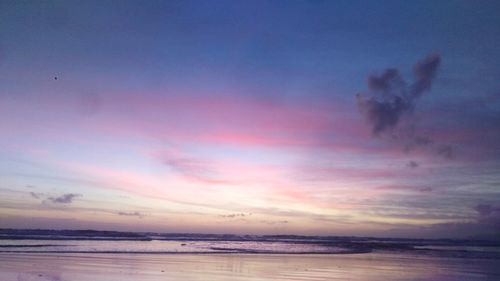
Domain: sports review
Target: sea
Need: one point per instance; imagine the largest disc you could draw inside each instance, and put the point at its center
(75, 255)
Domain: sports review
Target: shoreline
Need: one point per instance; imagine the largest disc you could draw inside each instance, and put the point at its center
(241, 266)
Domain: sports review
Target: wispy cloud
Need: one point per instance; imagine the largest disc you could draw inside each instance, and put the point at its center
(131, 214)
(37, 195)
(236, 215)
(271, 222)
(426, 189)
(64, 199)
(193, 168)
(412, 164)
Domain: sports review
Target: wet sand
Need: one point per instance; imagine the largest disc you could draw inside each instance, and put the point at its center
(181, 267)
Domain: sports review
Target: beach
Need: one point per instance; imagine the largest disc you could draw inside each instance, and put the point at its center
(184, 267)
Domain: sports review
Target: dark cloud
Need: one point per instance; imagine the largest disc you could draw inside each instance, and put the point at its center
(392, 97)
(383, 115)
(46, 198)
(64, 199)
(424, 72)
(412, 164)
(131, 214)
(386, 81)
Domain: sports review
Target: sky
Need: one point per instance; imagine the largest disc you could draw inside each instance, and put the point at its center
(366, 118)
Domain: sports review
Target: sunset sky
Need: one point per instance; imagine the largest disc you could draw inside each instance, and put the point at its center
(368, 118)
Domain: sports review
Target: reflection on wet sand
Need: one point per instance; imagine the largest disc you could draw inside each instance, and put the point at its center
(225, 267)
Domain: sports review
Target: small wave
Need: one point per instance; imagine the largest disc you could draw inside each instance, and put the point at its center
(33, 246)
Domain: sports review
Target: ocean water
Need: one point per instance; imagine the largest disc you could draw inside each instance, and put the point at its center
(112, 242)
(164, 246)
(37, 255)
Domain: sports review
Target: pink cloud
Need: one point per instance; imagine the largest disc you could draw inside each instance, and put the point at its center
(224, 120)
(188, 118)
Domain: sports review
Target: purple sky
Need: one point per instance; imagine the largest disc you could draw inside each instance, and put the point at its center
(303, 117)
